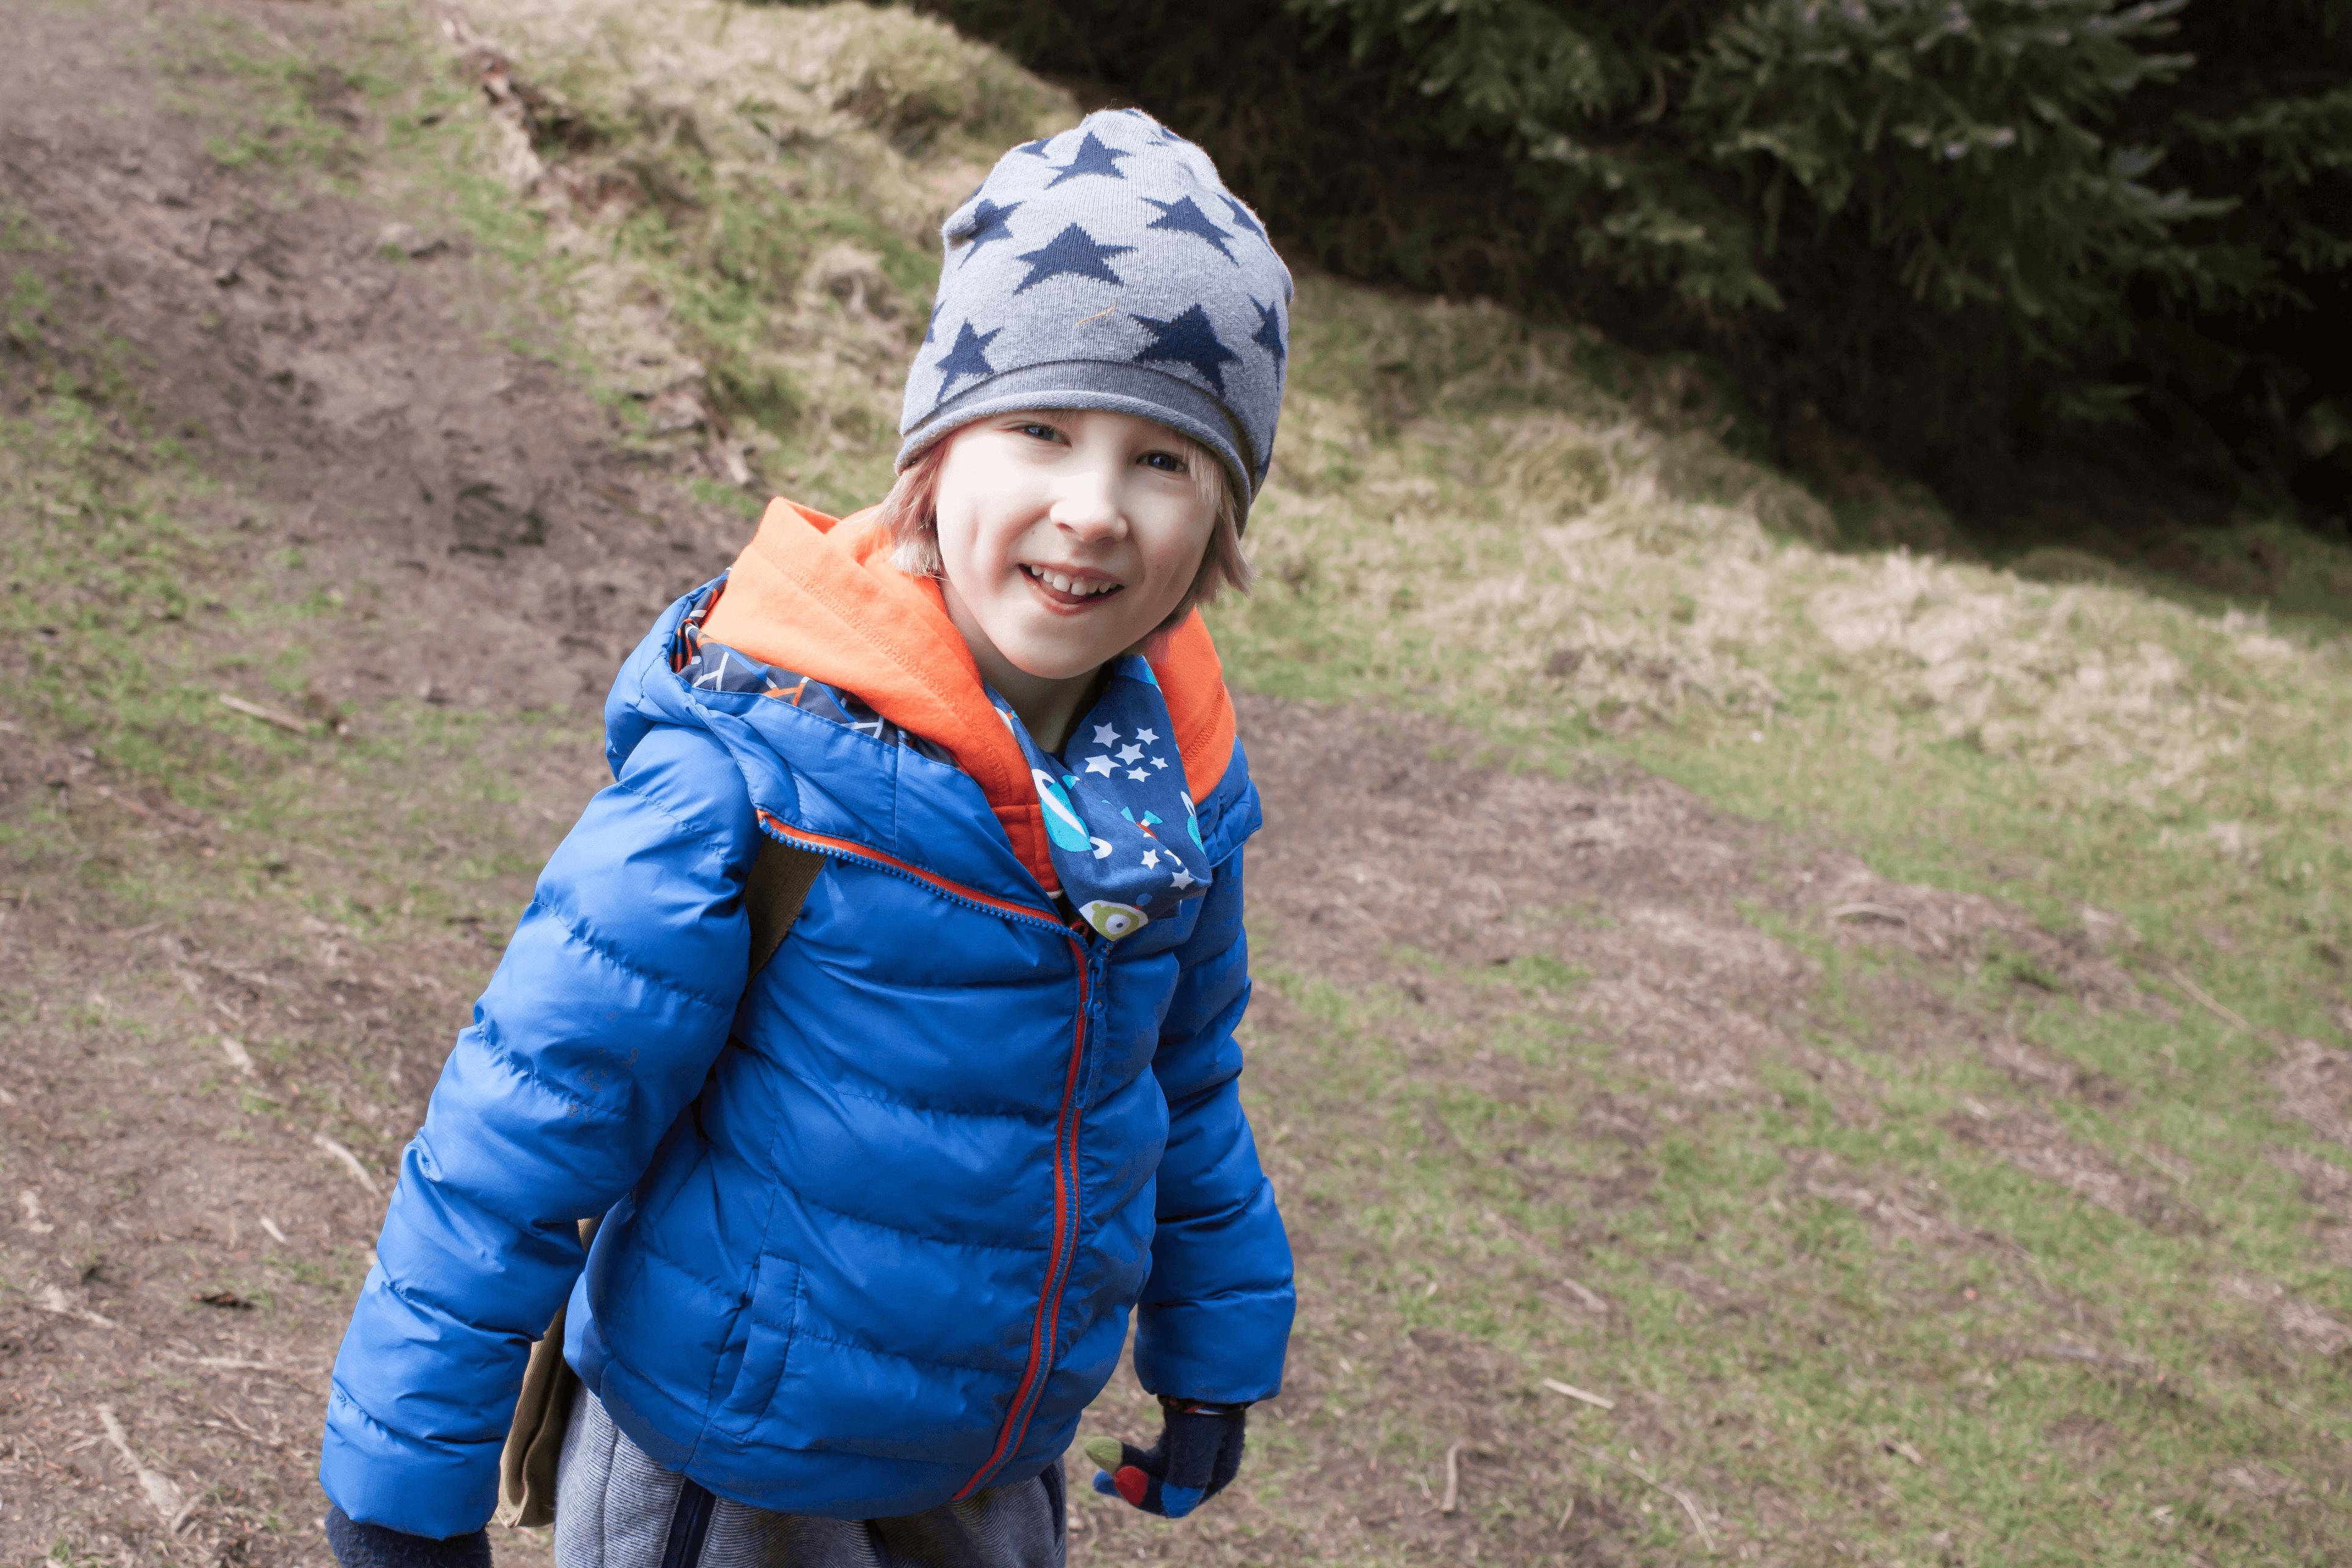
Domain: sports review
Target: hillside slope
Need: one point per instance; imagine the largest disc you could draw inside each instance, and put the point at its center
(1872, 1025)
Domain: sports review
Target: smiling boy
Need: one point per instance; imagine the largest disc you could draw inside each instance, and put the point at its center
(876, 1213)
(1060, 533)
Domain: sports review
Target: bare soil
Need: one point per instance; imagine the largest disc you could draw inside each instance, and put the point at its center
(366, 416)
(187, 1237)
(363, 391)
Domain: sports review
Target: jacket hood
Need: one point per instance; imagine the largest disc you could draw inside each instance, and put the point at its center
(820, 596)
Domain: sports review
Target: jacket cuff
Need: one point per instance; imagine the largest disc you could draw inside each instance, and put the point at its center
(1226, 1351)
(377, 1477)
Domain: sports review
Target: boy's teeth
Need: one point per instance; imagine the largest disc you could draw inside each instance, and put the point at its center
(1060, 584)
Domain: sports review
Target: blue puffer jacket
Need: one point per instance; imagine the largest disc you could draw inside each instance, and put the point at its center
(876, 1222)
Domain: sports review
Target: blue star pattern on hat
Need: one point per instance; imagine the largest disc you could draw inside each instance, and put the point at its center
(1268, 335)
(988, 222)
(1132, 281)
(1093, 158)
(1181, 217)
(1074, 252)
(970, 355)
(1189, 339)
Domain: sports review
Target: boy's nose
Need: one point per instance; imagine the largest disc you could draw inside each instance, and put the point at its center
(1087, 503)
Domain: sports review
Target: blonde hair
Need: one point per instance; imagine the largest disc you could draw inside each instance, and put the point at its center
(911, 512)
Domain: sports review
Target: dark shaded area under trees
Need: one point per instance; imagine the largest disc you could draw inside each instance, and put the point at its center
(2085, 267)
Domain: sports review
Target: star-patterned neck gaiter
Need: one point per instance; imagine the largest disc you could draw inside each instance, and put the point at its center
(1124, 838)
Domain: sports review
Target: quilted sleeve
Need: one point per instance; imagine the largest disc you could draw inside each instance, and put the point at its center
(605, 1015)
(1214, 1320)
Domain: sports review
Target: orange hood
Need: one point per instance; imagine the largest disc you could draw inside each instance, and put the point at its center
(821, 597)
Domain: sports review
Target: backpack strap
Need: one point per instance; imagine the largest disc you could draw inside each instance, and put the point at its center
(535, 1439)
(773, 893)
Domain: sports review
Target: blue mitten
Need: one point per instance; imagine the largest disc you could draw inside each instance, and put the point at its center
(373, 1546)
(1199, 1451)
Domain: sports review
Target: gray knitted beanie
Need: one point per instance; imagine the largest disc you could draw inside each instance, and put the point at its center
(1108, 266)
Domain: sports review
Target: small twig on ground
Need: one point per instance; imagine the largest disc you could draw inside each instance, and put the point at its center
(278, 717)
(1566, 1514)
(1452, 1498)
(2124, 1360)
(236, 1364)
(1706, 1536)
(1886, 912)
(1585, 1294)
(1587, 1395)
(350, 1161)
(2207, 1001)
(277, 1235)
(628, 503)
(238, 1057)
(162, 1495)
(53, 1298)
(248, 1431)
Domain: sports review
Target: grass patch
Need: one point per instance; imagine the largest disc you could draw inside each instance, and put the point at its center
(1462, 520)
(743, 205)
(266, 103)
(1765, 1341)
(1474, 517)
(139, 591)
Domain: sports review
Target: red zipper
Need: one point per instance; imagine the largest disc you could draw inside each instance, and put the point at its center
(1066, 1134)
(1057, 1262)
(853, 850)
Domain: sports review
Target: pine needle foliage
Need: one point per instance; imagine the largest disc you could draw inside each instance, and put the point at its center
(1968, 228)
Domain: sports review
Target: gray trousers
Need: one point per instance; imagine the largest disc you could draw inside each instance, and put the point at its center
(615, 1508)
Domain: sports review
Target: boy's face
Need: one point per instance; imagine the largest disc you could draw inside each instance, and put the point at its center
(1066, 536)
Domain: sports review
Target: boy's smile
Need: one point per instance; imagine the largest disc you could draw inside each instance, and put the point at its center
(1066, 538)
(1072, 588)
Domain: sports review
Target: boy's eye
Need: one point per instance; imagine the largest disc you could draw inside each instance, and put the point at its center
(1167, 462)
(1039, 432)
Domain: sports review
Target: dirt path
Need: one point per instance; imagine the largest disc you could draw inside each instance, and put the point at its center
(188, 1213)
(300, 350)
(371, 430)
